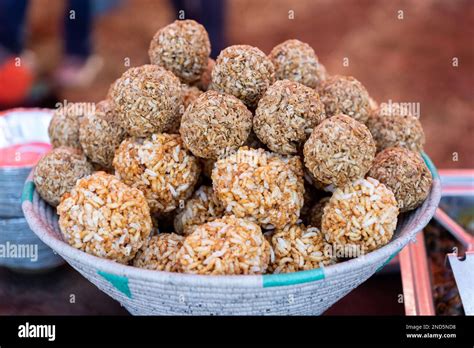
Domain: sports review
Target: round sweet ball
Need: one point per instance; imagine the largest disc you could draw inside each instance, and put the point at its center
(244, 72)
(160, 167)
(160, 253)
(315, 215)
(299, 248)
(396, 129)
(182, 47)
(405, 173)
(296, 61)
(147, 100)
(229, 245)
(100, 134)
(64, 127)
(286, 116)
(294, 163)
(201, 208)
(104, 217)
(360, 217)
(339, 151)
(345, 95)
(57, 172)
(259, 186)
(190, 94)
(214, 124)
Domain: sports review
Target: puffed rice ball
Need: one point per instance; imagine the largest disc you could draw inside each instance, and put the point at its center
(286, 116)
(160, 167)
(339, 150)
(104, 217)
(360, 217)
(345, 95)
(294, 162)
(405, 173)
(244, 72)
(260, 186)
(207, 164)
(201, 208)
(57, 172)
(215, 124)
(228, 245)
(182, 47)
(296, 61)
(147, 99)
(299, 248)
(100, 134)
(64, 127)
(396, 129)
(159, 254)
(315, 215)
(190, 94)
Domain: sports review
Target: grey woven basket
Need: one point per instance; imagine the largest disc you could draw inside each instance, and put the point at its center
(146, 292)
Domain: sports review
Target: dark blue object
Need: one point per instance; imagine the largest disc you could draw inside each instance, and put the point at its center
(12, 19)
(211, 14)
(77, 34)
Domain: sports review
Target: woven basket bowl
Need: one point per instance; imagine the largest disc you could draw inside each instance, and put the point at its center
(147, 292)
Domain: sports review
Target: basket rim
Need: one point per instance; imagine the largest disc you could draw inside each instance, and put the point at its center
(385, 253)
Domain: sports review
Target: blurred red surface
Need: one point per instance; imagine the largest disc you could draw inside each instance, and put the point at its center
(18, 79)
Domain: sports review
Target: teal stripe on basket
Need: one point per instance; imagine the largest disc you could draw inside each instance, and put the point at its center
(284, 279)
(388, 260)
(119, 282)
(28, 189)
(430, 165)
